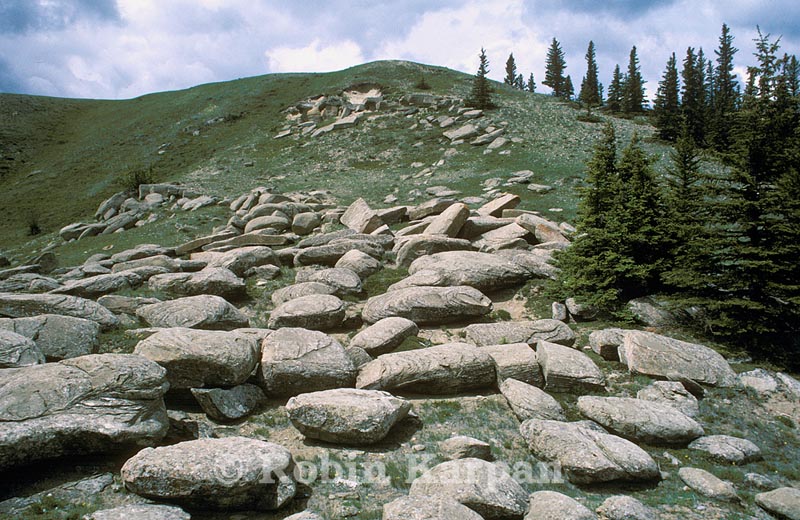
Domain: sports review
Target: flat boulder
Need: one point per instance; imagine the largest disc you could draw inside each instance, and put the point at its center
(449, 222)
(724, 448)
(422, 245)
(85, 405)
(442, 369)
(345, 281)
(315, 312)
(530, 402)
(218, 281)
(229, 404)
(346, 415)
(199, 312)
(27, 305)
(141, 512)
(623, 507)
(568, 370)
(427, 508)
(384, 335)
(463, 447)
(495, 207)
(232, 473)
(605, 343)
(428, 304)
(239, 260)
(360, 217)
(18, 351)
(708, 484)
(551, 505)
(298, 290)
(529, 332)
(516, 361)
(671, 393)
(483, 271)
(782, 502)
(58, 337)
(99, 285)
(330, 253)
(196, 358)
(360, 263)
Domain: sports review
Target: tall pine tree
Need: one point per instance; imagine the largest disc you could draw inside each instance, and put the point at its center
(614, 101)
(633, 91)
(667, 108)
(554, 70)
(693, 102)
(590, 88)
(531, 84)
(569, 90)
(481, 94)
(511, 71)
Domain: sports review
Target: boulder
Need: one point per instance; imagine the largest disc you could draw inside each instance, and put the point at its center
(345, 281)
(671, 393)
(384, 335)
(304, 515)
(462, 132)
(530, 402)
(427, 508)
(516, 361)
(501, 235)
(760, 381)
(655, 355)
(170, 264)
(428, 304)
(360, 217)
(274, 222)
(304, 223)
(360, 263)
(84, 405)
(229, 404)
(196, 358)
(463, 447)
(605, 343)
(125, 304)
(422, 245)
(218, 281)
(782, 502)
(621, 507)
(197, 243)
(298, 290)
(442, 369)
(529, 332)
(346, 415)
(535, 261)
(18, 351)
(708, 485)
(329, 254)
(551, 505)
(494, 208)
(232, 473)
(483, 271)
(239, 260)
(260, 237)
(724, 448)
(296, 361)
(315, 312)
(26, 305)
(648, 311)
(198, 312)
(141, 512)
(449, 222)
(57, 337)
(568, 370)
(139, 252)
(99, 285)
(587, 453)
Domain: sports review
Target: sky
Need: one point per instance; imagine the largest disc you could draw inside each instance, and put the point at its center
(119, 49)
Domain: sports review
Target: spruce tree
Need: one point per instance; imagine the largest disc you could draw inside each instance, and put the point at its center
(693, 106)
(481, 94)
(511, 71)
(667, 109)
(614, 101)
(554, 70)
(519, 83)
(569, 90)
(633, 91)
(726, 93)
(590, 87)
(531, 83)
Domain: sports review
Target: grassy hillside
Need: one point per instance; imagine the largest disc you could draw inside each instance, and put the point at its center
(61, 158)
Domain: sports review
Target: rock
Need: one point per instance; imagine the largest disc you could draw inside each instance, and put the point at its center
(529, 332)
(782, 502)
(360, 217)
(791, 386)
(760, 381)
(559, 311)
(724, 448)
(229, 404)
(170, 264)
(232, 473)
(345, 281)
(304, 223)
(568, 370)
(536, 261)
(239, 260)
(141, 512)
(580, 311)
(196, 358)
(18, 351)
(296, 361)
(305, 515)
(194, 245)
(346, 415)
(758, 481)
(28, 283)
(139, 252)
(218, 281)
(587, 453)
(199, 312)
(655, 355)
(495, 207)
(487, 138)
(358, 356)
(463, 447)
(441, 369)
(299, 290)
(125, 304)
(260, 237)
(621, 507)
(279, 224)
(89, 404)
(530, 402)
(516, 361)
(57, 337)
(329, 254)
(639, 420)
(480, 485)
(384, 335)
(449, 222)
(27, 305)
(708, 485)
(482, 271)
(428, 304)
(422, 245)
(360, 263)
(95, 286)
(427, 508)
(551, 505)
(605, 343)
(315, 312)
(671, 393)
(463, 132)
(649, 312)
(543, 229)
(507, 233)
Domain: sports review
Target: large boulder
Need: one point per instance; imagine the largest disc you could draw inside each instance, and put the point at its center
(782, 502)
(568, 370)
(18, 351)
(449, 222)
(211, 280)
(427, 508)
(587, 453)
(83, 405)
(195, 358)
(316, 312)
(296, 361)
(483, 271)
(640, 420)
(428, 304)
(229, 404)
(99, 285)
(671, 393)
(724, 448)
(141, 512)
(530, 402)
(422, 245)
(529, 332)
(232, 473)
(360, 263)
(623, 507)
(442, 369)
(482, 486)
(345, 281)
(330, 253)
(551, 505)
(384, 335)
(26, 305)
(199, 312)
(708, 484)
(346, 415)
(463, 447)
(360, 217)
(239, 260)
(58, 337)
(655, 355)
(605, 342)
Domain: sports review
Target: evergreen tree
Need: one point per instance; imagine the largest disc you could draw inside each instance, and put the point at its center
(511, 71)
(554, 70)
(667, 108)
(633, 92)
(726, 92)
(481, 94)
(519, 83)
(531, 84)
(693, 106)
(614, 101)
(569, 90)
(590, 88)
(791, 71)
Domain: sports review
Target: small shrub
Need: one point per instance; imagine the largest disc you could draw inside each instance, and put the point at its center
(500, 315)
(585, 118)
(33, 225)
(135, 178)
(422, 84)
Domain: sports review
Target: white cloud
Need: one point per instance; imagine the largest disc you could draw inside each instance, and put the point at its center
(314, 57)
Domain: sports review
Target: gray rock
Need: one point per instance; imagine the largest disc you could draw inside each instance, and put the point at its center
(422, 245)
(83, 405)
(125, 304)
(605, 343)
(315, 312)
(791, 386)
(463, 447)
(671, 393)
(530, 402)
(708, 485)
(621, 507)
(138, 252)
(551, 505)
(639, 420)
(484, 487)
(724, 448)
(68, 493)
(298, 290)
(95, 286)
(329, 254)
(428, 304)
(211, 280)
(196, 358)
(449, 222)
(259, 237)
(346, 415)
(587, 453)
(494, 208)
(305, 515)
(360, 217)
(384, 335)
(501, 235)
(782, 502)
(462, 132)
(360, 263)
(28, 283)
(358, 356)
(57, 337)
(649, 312)
(18, 351)
(580, 311)
(516, 361)
(200, 312)
(483, 271)
(231, 473)
(239, 260)
(529, 332)
(760, 381)
(194, 245)
(442, 369)
(229, 404)
(141, 512)
(758, 481)
(559, 311)
(536, 261)
(568, 370)
(296, 361)
(27, 305)
(345, 281)
(278, 223)
(170, 264)
(304, 223)
(543, 229)
(427, 508)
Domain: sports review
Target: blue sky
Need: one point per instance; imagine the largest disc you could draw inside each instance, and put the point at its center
(125, 48)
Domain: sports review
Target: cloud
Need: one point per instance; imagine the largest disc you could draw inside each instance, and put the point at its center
(26, 15)
(314, 57)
